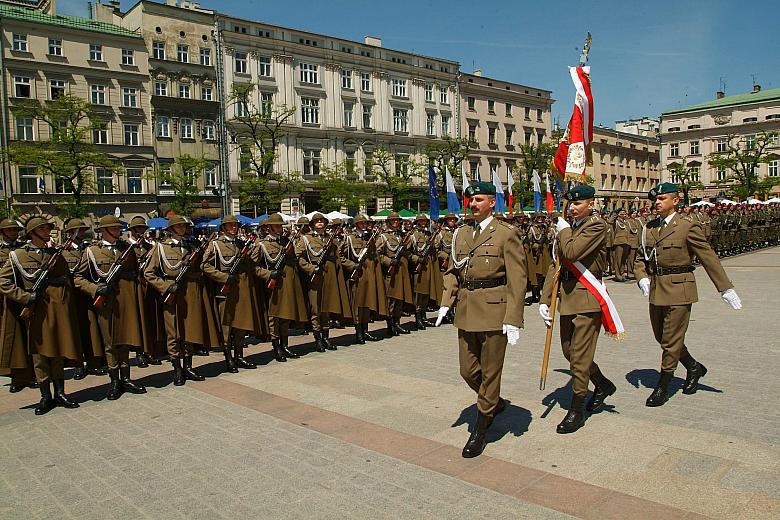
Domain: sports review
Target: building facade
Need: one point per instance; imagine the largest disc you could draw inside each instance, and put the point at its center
(689, 135)
(644, 126)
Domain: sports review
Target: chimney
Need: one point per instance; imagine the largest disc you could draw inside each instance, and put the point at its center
(373, 41)
(719, 94)
(756, 88)
(478, 72)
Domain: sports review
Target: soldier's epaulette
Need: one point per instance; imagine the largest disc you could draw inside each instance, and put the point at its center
(505, 224)
(686, 217)
(595, 218)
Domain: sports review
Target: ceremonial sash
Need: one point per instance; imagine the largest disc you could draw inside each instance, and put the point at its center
(610, 319)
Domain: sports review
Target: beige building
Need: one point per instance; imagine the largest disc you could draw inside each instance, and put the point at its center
(501, 116)
(625, 167)
(45, 56)
(689, 135)
(644, 126)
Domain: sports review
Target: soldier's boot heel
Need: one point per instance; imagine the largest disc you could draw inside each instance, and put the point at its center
(604, 388)
(359, 338)
(46, 403)
(80, 372)
(319, 346)
(241, 362)
(278, 354)
(189, 373)
(284, 348)
(141, 360)
(115, 389)
(326, 340)
(230, 363)
(575, 417)
(695, 372)
(367, 335)
(398, 328)
(478, 438)
(661, 392)
(418, 321)
(391, 332)
(60, 397)
(128, 384)
(178, 372)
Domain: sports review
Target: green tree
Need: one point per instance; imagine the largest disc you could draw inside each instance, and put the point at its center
(182, 176)
(338, 188)
(68, 156)
(448, 153)
(533, 157)
(396, 174)
(265, 194)
(741, 160)
(686, 178)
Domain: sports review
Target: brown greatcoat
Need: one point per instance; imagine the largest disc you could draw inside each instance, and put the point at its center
(445, 247)
(23, 370)
(330, 289)
(286, 300)
(152, 326)
(369, 291)
(428, 278)
(119, 320)
(243, 307)
(91, 342)
(398, 283)
(53, 324)
(539, 256)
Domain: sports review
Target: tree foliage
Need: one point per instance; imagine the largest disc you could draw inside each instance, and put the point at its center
(686, 178)
(338, 188)
(265, 193)
(448, 153)
(741, 160)
(396, 174)
(183, 176)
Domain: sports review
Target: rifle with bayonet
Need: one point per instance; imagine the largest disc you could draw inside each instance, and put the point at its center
(227, 286)
(362, 257)
(42, 282)
(170, 295)
(288, 248)
(114, 273)
(318, 264)
(399, 253)
(427, 250)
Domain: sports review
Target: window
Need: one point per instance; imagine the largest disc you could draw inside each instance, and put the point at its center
(182, 53)
(471, 102)
(445, 125)
(185, 125)
(240, 63)
(400, 120)
(208, 130)
(134, 180)
(20, 42)
(210, 176)
(528, 137)
(674, 149)
(539, 115)
(509, 110)
(241, 108)
(206, 94)
(95, 52)
(367, 116)
(131, 135)
(24, 129)
(244, 158)
(61, 187)
(55, 46)
(184, 91)
(722, 174)
(99, 136)
(56, 88)
(527, 113)
(721, 145)
(163, 126)
(160, 88)
(105, 180)
(346, 79)
(348, 118)
(205, 56)
(399, 87)
(773, 168)
(309, 73)
(266, 103)
(429, 92)
(509, 132)
(265, 66)
(401, 164)
(491, 106)
(158, 50)
(491, 135)
(694, 170)
(22, 88)
(365, 81)
(444, 98)
(472, 132)
(128, 57)
(750, 142)
(474, 170)
(129, 97)
(694, 146)
(310, 111)
(430, 123)
(311, 162)
(774, 139)
(349, 163)
(28, 180)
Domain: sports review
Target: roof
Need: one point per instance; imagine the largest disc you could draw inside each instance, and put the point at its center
(70, 22)
(729, 101)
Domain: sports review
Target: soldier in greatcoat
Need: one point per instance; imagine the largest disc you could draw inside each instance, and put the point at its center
(425, 264)
(394, 255)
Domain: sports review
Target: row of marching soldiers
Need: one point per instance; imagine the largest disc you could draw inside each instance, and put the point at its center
(88, 304)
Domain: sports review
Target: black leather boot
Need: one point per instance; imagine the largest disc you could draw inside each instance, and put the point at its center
(152, 360)
(283, 343)
(326, 341)
(230, 364)
(97, 371)
(80, 372)
(419, 321)
(128, 384)
(60, 397)
(661, 392)
(398, 328)
(141, 361)
(189, 373)
(391, 329)
(241, 362)
(695, 372)
(575, 417)
(115, 389)
(604, 388)
(278, 354)
(201, 351)
(319, 345)
(477, 441)
(359, 338)
(46, 403)
(367, 335)
(178, 372)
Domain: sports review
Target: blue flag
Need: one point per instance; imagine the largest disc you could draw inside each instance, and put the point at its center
(433, 192)
(559, 190)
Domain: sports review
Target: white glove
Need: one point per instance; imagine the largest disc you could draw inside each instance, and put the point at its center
(512, 333)
(442, 313)
(544, 312)
(561, 225)
(644, 286)
(730, 296)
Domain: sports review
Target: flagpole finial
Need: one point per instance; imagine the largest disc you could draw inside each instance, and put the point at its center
(585, 50)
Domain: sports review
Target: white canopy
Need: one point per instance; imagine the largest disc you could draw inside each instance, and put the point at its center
(773, 200)
(754, 201)
(702, 203)
(336, 214)
(726, 201)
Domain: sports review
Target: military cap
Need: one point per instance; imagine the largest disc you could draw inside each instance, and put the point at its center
(661, 188)
(302, 221)
(9, 223)
(481, 188)
(538, 214)
(108, 221)
(35, 222)
(138, 221)
(336, 222)
(74, 223)
(450, 215)
(318, 216)
(230, 219)
(361, 218)
(421, 216)
(176, 220)
(581, 192)
(273, 219)
(393, 216)
(468, 217)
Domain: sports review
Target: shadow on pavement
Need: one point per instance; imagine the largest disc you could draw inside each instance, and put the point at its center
(648, 378)
(514, 420)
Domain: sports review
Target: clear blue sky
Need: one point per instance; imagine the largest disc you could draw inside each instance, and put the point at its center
(646, 57)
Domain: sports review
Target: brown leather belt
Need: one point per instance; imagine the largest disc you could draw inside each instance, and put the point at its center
(678, 269)
(471, 285)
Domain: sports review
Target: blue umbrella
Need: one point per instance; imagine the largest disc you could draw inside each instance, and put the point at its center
(157, 223)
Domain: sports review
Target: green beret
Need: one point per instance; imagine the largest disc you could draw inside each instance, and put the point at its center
(481, 188)
(661, 188)
(581, 192)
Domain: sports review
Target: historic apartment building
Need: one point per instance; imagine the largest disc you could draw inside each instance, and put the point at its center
(625, 167)
(689, 135)
(46, 56)
(501, 116)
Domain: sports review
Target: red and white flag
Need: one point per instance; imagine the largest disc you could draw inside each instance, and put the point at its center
(465, 183)
(574, 150)
(548, 197)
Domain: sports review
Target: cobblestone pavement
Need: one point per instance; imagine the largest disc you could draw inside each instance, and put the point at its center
(375, 431)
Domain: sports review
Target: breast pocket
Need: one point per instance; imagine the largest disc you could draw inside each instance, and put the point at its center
(487, 260)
